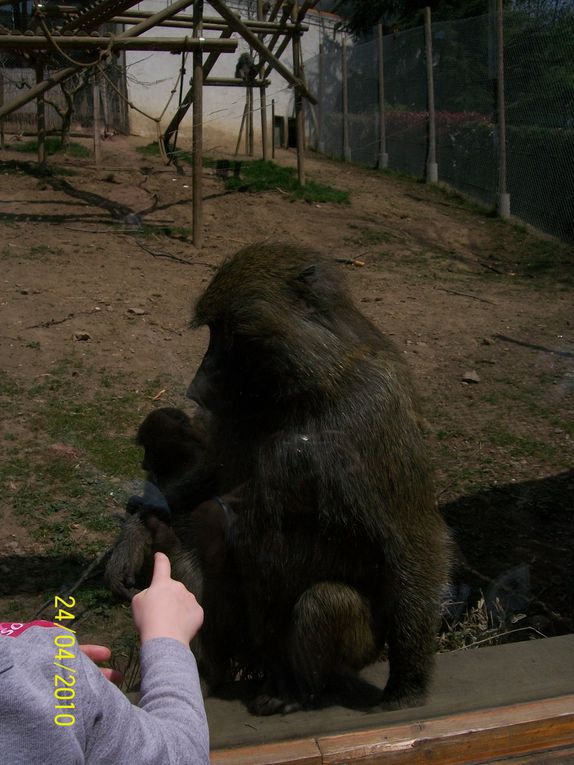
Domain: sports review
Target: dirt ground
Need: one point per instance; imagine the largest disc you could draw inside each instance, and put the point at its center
(98, 278)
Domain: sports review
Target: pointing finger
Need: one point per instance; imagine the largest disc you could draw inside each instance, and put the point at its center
(162, 568)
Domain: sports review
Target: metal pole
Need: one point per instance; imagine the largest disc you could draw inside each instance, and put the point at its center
(321, 85)
(432, 167)
(345, 85)
(503, 196)
(40, 116)
(272, 128)
(299, 121)
(197, 136)
(383, 157)
(2, 142)
(97, 125)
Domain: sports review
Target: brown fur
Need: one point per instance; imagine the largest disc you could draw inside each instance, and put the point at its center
(338, 547)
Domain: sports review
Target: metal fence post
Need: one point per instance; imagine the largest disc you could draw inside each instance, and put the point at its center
(320, 88)
(383, 157)
(503, 197)
(345, 86)
(2, 142)
(40, 116)
(97, 120)
(432, 167)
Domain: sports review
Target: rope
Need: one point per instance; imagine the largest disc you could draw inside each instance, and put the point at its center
(105, 52)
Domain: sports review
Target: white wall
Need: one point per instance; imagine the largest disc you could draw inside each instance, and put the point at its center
(152, 76)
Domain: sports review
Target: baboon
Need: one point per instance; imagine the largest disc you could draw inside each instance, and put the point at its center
(173, 446)
(246, 68)
(338, 547)
(196, 542)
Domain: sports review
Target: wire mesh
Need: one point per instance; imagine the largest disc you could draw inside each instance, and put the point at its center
(539, 99)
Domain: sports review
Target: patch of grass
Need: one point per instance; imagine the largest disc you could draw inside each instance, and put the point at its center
(518, 445)
(445, 435)
(53, 146)
(149, 150)
(258, 176)
(41, 249)
(8, 387)
(101, 428)
(366, 237)
(152, 150)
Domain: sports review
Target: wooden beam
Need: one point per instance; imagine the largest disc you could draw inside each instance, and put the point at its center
(185, 21)
(238, 26)
(176, 44)
(233, 82)
(64, 74)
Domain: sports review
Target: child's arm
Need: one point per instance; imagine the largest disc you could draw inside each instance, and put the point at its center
(169, 726)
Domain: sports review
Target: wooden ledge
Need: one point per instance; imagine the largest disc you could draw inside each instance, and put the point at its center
(473, 737)
(512, 704)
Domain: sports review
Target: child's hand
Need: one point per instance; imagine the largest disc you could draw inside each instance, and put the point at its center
(101, 653)
(166, 608)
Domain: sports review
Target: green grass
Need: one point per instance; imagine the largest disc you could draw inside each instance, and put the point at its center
(518, 445)
(149, 150)
(258, 175)
(366, 236)
(79, 462)
(53, 146)
(152, 150)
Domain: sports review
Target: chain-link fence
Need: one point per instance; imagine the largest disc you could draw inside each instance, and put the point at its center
(539, 102)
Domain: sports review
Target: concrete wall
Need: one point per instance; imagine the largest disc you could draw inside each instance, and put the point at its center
(152, 76)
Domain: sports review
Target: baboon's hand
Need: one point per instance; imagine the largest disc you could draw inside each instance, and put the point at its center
(127, 557)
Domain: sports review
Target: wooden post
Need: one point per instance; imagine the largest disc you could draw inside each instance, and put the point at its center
(299, 121)
(105, 110)
(432, 167)
(250, 120)
(321, 86)
(197, 133)
(243, 119)
(503, 197)
(272, 128)
(2, 142)
(97, 121)
(40, 116)
(263, 92)
(238, 26)
(264, 130)
(383, 157)
(345, 86)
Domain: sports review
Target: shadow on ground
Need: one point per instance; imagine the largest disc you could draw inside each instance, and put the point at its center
(516, 543)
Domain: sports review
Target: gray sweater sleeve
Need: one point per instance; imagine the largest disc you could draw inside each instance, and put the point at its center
(168, 727)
